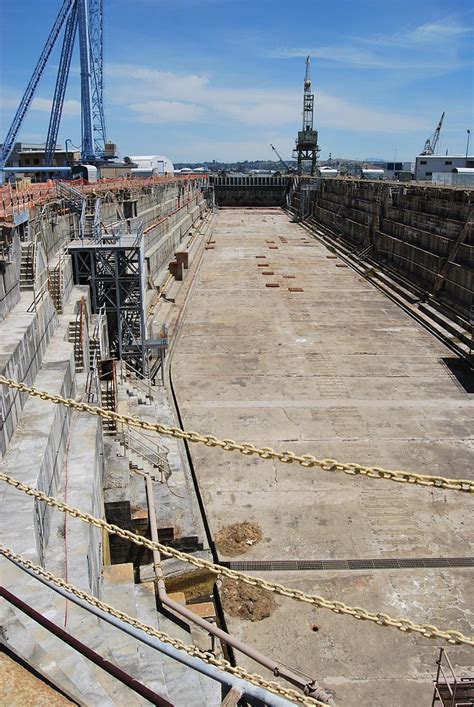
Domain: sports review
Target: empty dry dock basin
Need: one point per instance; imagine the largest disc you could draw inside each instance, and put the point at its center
(324, 363)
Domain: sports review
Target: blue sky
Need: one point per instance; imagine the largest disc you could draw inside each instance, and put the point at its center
(221, 79)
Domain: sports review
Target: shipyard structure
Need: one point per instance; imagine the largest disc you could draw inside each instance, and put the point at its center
(227, 563)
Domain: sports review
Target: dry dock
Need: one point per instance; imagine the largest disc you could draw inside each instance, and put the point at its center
(283, 345)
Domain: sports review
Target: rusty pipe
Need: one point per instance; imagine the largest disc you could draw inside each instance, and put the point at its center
(308, 686)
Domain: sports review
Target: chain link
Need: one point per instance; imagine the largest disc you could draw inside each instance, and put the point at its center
(205, 656)
(338, 607)
(247, 449)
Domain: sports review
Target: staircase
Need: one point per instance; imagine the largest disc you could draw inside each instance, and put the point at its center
(108, 402)
(145, 454)
(56, 288)
(72, 198)
(74, 337)
(27, 266)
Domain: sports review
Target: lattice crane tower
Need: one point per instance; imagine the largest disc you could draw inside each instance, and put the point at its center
(85, 19)
(307, 141)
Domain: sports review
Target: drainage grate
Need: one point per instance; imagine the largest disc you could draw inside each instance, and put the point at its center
(377, 564)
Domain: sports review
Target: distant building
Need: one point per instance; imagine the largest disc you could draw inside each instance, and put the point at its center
(152, 165)
(459, 177)
(26, 154)
(427, 165)
(326, 171)
(393, 169)
(372, 173)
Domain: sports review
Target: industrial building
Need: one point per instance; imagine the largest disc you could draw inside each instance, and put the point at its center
(427, 165)
(151, 166)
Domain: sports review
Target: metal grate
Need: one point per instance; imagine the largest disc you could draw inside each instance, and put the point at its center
(377, 564)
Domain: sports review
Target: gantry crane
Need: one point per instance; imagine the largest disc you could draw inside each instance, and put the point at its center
(83, 18)
(432, 143)
(307, 140)
(286, 166)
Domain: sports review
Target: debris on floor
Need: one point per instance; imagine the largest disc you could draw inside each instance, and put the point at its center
(246, 602)
(238, 538)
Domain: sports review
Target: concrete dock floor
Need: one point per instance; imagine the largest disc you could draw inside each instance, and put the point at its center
(339, 371)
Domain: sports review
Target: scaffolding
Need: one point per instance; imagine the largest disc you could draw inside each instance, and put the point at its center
(449, 689)
(115, 273)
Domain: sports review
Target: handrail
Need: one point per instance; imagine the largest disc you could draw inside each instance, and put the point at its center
(257, 696)
(143, 382)
(152, 454)
(84, 650)
(299, 680)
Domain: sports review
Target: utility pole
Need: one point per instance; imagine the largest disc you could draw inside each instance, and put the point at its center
(467, 144)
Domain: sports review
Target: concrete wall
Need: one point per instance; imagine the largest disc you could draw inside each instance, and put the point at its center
(410, 228)
(22, 349)
(249, 191)
(9, 273)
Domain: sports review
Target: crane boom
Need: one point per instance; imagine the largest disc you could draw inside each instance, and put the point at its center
(34, 80)
(60, 89)
(432, 143)
(285, 164)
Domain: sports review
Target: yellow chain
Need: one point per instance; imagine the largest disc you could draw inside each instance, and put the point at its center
(205, 656)
(228, 445)
(338, 607)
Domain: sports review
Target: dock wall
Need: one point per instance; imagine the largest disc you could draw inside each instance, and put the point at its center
(424, 233)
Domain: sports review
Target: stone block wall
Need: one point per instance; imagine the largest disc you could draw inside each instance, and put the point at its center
(411, 229)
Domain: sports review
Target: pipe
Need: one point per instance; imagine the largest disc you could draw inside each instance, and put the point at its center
(34, 169)
(84, 650)
(309, 687)
(257, 696)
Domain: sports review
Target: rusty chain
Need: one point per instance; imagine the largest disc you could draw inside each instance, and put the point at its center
(206, 656)
(247, 449)
(338, 607)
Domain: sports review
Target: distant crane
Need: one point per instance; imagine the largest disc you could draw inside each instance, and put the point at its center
(85, 18)
(307, 140)
(432, 143)
(286, 166)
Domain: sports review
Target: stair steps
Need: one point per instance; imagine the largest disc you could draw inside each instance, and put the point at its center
(74, 337)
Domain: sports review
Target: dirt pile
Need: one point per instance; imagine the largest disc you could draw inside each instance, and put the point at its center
(238, 538)
(246, 602)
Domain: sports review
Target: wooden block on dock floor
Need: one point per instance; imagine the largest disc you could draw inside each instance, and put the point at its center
(179, 597)
(272, 284)
(205, 609)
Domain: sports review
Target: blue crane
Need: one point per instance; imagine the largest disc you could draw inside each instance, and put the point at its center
(83, 18)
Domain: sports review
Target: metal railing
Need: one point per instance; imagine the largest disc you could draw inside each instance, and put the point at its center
(129, 373)
(255, 695)
(450, 690)
(148, 450)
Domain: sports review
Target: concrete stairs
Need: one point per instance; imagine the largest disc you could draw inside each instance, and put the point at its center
(167, 677)
(56, 288)
(27, 274)
(178, 516)
(74, 337)
(451, 330)
(52, 657)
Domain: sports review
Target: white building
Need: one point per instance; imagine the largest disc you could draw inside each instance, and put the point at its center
(426, 165)
(393, 169)
(326, 171)
(459, 177)
(151, 166)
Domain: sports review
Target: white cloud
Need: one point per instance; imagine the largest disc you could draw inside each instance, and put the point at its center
(70, 107)
(166, 112)
(431, 46)
(152, 96)
(436, 31)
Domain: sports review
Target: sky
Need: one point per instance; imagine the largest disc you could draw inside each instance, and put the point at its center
(222, 79)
